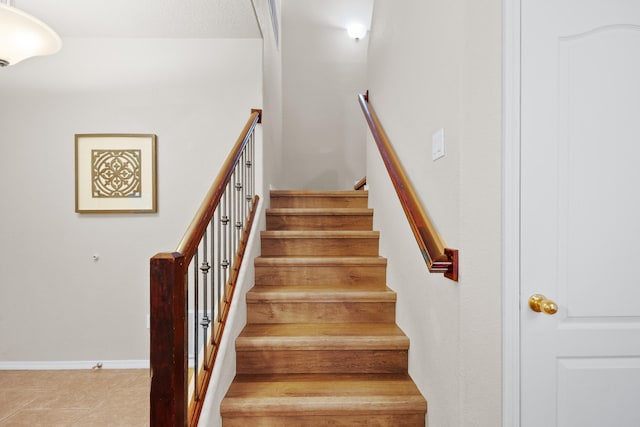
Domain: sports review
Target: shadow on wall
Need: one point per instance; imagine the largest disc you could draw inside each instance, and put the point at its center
(329, 177)
(326, 180)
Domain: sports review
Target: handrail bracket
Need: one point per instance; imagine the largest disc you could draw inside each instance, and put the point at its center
(452, 269)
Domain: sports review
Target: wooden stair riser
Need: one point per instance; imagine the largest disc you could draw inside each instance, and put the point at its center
(305, 199)
(321, 361)
(286, 219)
(283, 272)
(321, 312)
(330, 244)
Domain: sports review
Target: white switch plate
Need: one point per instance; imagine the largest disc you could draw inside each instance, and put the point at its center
(437, 144)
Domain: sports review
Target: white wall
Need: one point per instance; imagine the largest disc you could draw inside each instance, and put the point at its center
(323, 71)
(272, 94)
(56, 303)
(437, 64)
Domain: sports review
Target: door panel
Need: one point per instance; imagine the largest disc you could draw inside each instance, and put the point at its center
(580, 211)
(598, 150)
(582, 400)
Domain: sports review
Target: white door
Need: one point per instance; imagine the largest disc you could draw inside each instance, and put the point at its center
(580, 212)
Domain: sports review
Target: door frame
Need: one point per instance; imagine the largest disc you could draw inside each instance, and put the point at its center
(511, 84)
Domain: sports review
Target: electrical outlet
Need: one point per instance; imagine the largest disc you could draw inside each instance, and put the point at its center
(437, 144)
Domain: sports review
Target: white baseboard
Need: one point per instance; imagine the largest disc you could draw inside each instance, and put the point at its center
(73, 364)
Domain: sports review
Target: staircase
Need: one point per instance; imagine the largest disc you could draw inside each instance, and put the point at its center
(321, 347)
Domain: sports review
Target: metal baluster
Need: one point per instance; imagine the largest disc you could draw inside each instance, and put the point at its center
(232, 225)
(204, 268)
(240, 187)
(220, 227)
(226, 238)
(247, 184)
(250, 173)
(253, 169)
(239, 203)
(212, 283)
(243, 205)
(243, 193)
(249, 196)
(252, 183)
(249, 162)
(195, 326)
(230, 242)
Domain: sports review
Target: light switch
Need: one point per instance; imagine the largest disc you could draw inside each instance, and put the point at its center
(437, 144)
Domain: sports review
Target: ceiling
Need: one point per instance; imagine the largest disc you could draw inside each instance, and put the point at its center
(110, 44)
(146, 18)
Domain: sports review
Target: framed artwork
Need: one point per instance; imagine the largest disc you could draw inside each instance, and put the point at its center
(116, 173)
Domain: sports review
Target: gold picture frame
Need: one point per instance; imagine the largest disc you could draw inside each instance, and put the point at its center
(115, 173)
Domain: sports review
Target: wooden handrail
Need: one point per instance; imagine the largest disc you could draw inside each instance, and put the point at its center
(439, 259)
(189, 243)
(360, 185)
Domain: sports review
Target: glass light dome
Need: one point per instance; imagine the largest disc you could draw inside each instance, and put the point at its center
(356, 31)
(23, 36)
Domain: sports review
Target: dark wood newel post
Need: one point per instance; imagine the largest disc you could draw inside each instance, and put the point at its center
(168, 350)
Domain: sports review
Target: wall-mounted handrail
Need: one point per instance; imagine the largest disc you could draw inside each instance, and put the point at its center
(439, 259)
(360, 185)
(193, 287)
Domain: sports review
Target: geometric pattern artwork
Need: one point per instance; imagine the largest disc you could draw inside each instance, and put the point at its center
(116, 173)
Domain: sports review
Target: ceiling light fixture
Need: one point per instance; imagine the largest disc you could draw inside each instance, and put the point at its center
(356, 31)
(23, 36)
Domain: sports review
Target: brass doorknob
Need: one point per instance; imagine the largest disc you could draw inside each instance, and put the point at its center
(540, 304)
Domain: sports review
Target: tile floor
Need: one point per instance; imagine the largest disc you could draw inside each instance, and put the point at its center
(100, 397)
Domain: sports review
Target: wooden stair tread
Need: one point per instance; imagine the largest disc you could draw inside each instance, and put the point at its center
(322, 393)
(316, 193)
(320, 211)
(319, 234)
(314, 270)
(321, 329)
(318, 261)
(322, 336)
(317, 218)
(314, 243)
(320, 199)
(320, 293)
